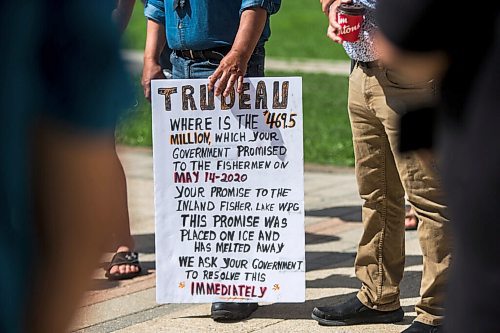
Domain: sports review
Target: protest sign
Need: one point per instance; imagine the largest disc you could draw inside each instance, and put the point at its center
(229, 192)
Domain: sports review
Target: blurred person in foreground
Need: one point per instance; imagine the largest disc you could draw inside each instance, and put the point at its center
(378, 95)
(125, 262)
(219, 40)
(62, 88)
(420, 37)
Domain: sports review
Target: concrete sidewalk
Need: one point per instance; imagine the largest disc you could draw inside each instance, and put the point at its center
(333, 228)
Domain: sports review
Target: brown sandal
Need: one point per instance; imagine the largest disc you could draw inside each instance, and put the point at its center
(124, 258)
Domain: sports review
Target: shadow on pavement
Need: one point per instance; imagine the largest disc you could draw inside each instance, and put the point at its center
(410, 285)
(148, 265)
(297, 311)
(102, 284)
(327, 260)
(346, 213)
(144, 243)
(318, 238)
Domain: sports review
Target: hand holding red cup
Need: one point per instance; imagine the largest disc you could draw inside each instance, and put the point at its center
(350, 18)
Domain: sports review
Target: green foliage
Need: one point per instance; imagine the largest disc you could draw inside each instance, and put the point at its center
(135, 126)
(298, 30)
(327, 133)
(135, 35)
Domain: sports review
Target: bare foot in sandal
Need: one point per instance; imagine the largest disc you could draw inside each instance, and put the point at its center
(411, 219)
(124, 265)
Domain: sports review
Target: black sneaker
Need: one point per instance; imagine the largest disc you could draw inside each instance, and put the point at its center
(352, 312)
(418, 327)
(232, 311)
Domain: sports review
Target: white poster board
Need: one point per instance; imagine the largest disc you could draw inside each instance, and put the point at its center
(229, 192)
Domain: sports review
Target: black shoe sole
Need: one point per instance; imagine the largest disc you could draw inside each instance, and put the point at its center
(391, 317)
(223, 315)
(232, 312)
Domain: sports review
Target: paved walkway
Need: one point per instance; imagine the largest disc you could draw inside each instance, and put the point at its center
(134, 61)
(332, 226)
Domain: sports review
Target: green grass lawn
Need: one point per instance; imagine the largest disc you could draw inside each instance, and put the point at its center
(298, 30)
(327, 134)
(135, 34)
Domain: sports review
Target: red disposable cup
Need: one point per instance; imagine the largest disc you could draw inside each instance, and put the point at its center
(350, 17)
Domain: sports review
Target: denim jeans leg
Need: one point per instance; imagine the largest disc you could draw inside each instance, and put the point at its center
(255, 66)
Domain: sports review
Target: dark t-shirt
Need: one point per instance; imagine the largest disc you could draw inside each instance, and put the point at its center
(469, 141)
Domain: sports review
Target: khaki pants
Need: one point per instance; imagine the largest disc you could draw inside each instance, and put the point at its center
(377, 97)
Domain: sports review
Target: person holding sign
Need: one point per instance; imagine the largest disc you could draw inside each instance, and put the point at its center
(377, 97)
(220, 40)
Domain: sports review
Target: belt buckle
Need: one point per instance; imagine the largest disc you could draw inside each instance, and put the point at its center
(191, 54)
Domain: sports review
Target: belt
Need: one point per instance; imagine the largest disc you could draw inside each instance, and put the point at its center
(211, 54)
(369, 64)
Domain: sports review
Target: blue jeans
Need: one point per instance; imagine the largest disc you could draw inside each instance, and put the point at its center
(183, 68)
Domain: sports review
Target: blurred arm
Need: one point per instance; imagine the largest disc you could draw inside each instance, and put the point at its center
(418, 66)
(75, 189)
(122, 13)
(412, 37)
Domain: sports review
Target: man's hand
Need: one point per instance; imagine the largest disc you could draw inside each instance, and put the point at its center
(231, 70)
(329, 7)
(151, 70)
